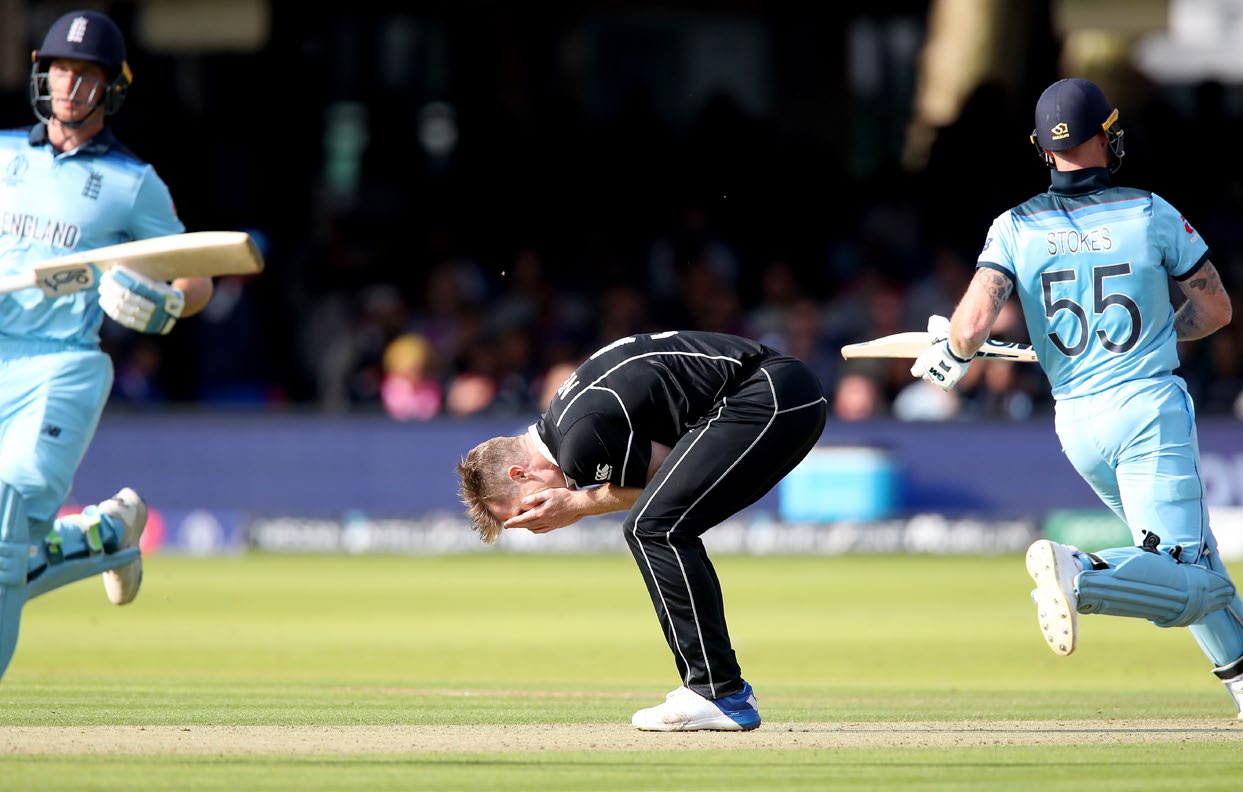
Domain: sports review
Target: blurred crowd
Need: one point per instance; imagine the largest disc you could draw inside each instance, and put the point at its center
(473, 347)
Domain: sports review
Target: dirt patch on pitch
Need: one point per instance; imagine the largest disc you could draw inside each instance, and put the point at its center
(315, 740)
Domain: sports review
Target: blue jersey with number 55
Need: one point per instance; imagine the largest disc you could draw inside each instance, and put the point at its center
(1091, 265)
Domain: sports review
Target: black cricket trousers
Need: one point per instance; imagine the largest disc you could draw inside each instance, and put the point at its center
(749, 440)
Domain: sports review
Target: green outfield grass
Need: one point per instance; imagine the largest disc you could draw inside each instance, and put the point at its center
(1010, 768)
(517, 640)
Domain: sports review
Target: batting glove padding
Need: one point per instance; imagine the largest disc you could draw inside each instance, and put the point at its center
(139, 303)
(940, 366)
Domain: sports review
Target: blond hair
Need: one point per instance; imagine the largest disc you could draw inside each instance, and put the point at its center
(484, 480)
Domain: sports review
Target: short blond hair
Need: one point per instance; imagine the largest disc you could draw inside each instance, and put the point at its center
(484, 480)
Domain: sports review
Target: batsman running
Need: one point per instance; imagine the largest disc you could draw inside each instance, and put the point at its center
(1091, 264)
(69, 185)
(682, 430)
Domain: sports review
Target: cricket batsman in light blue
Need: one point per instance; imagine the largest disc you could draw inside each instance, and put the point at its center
(1091, 264)
(66, 185)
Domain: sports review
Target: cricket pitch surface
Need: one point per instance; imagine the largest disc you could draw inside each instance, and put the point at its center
(314, 740)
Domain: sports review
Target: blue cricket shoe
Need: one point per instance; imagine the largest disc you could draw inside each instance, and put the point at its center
(686, 710)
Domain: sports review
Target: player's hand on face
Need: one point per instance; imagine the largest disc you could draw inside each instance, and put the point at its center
(546, 510)
(940, 366)
(138, 302)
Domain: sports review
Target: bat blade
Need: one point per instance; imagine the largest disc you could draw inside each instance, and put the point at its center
(163, 258)
(910, 345)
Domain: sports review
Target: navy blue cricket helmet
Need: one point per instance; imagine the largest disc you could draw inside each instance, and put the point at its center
(1069, 113)
(88, 36)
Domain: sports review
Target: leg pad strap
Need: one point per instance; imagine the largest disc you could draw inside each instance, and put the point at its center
(77, 547)
(1230, 670)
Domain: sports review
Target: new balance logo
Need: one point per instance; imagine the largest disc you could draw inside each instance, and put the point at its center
(603, 472)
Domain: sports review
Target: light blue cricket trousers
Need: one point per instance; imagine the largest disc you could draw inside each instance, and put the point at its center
(51, 398)
(1136, 446)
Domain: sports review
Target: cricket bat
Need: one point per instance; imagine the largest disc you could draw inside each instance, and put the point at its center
(910, 345)
(162, 258)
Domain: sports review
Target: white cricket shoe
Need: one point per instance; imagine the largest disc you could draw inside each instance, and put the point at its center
(122, 583)
(686, 710)
(1054, 569)
(1235, 686)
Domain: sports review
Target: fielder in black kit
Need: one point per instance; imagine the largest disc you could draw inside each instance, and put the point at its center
(683, 429)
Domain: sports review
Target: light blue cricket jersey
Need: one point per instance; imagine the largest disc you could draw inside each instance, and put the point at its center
(54, 203)
(1091, 263)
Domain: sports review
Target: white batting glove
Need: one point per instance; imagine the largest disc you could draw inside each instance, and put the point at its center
(138, 302)
(938, 328)
(940, 366)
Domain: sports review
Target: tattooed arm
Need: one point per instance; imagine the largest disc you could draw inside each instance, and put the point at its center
(1207, 308)
(973, 318)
